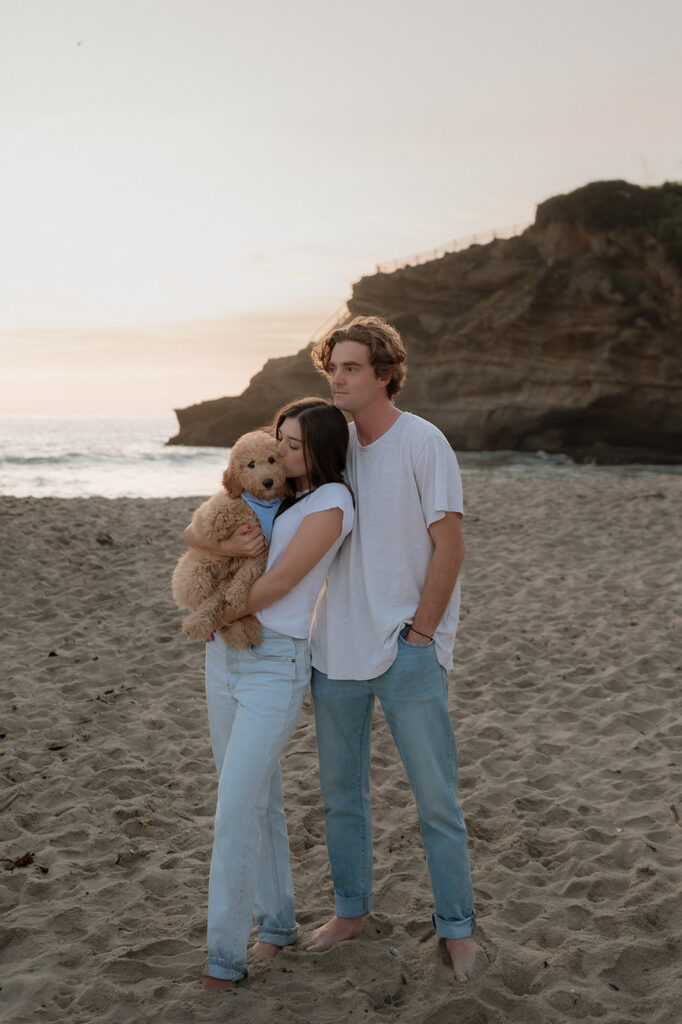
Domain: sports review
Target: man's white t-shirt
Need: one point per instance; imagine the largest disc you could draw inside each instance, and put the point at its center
(291, 614)
(402, 482)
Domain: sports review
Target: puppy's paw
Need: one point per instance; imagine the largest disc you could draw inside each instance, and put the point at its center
(198, 626)
(236, 636)
(251, 627)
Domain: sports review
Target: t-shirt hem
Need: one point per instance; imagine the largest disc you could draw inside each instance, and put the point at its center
(316, 663)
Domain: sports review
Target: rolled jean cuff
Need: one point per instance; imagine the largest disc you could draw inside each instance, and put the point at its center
(214, 967)
(454, 929)
(279, 938)
(354, 906)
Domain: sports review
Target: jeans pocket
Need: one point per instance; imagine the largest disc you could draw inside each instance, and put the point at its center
(413, 647)
(281, 648)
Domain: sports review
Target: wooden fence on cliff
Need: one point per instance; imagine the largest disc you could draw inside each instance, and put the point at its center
(456, 245)
(335, 320)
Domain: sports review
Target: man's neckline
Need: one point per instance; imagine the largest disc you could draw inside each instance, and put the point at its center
(383, 433)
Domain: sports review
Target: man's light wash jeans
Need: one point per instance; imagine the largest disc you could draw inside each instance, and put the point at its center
(254, 700)
(414, 696)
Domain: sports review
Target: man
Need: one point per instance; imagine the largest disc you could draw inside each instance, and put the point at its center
(385, 627)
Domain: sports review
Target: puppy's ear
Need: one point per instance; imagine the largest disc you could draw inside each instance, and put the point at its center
(231, 481)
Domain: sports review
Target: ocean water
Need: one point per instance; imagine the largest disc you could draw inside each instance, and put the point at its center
(126, 456)
(113, 456)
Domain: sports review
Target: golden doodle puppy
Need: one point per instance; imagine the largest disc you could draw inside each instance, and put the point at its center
(206, 582)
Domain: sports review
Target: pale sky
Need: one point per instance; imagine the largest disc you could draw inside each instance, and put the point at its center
(190, 186)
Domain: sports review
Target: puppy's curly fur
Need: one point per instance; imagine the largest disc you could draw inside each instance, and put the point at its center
(206, 582)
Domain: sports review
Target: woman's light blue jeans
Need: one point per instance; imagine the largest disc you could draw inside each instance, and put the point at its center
(414, 696)
(254, 700)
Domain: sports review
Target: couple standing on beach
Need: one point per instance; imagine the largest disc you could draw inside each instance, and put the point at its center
(387, 537)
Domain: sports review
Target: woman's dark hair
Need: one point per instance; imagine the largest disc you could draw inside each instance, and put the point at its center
(324, 437)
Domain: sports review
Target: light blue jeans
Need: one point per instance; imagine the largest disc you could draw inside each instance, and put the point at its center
(254, 700)
(414, 695)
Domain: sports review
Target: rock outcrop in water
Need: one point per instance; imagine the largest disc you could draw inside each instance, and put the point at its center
(566, 338)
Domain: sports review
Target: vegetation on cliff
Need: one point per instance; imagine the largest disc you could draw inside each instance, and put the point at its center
(620, 206)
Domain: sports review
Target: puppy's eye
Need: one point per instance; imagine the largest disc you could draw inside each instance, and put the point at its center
(251, 465)
(271, 460)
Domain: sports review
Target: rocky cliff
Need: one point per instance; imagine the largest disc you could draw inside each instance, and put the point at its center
(566, 338)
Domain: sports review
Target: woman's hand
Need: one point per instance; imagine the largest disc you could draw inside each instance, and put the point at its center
(246, 542)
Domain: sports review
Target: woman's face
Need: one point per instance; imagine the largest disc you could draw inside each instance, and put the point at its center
(290, 448)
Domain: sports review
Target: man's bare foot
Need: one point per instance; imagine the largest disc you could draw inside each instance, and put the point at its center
(339, 929)
(210, 984)
(265, 950)
(462, 955)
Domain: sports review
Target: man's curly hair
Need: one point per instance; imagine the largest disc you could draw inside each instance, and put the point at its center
(386, 351)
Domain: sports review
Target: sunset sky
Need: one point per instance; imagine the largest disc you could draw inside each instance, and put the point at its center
(190, 186)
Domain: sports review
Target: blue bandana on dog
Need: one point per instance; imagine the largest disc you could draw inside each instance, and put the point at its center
(265, 510)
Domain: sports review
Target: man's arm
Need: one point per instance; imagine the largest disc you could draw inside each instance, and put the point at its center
(441, 576)
(246, 542)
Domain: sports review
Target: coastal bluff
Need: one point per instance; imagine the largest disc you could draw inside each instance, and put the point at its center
(565, 338)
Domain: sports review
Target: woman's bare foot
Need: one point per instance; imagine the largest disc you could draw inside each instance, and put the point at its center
(265, 950)
(462, 954)
(210, 984)
(339, 929)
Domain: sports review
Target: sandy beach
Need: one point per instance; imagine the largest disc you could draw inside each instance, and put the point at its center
(566, 702)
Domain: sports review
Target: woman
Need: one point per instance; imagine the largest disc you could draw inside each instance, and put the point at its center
(255, 696)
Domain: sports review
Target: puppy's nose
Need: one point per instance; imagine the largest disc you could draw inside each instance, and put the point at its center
(269, 482)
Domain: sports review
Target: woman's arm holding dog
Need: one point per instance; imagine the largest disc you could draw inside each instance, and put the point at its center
(312, 541)
(246, 542)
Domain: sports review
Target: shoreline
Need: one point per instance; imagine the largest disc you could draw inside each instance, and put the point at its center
(565, 698)
(490, 467)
